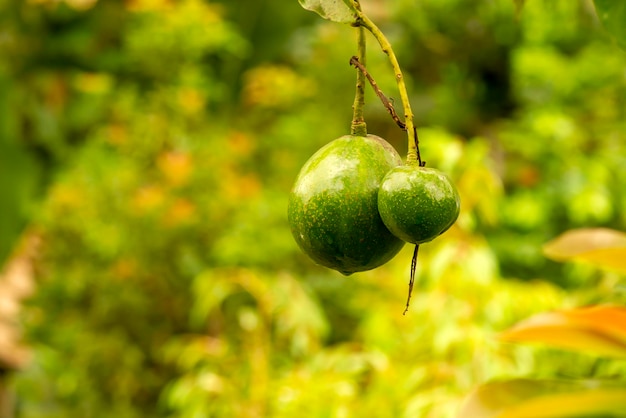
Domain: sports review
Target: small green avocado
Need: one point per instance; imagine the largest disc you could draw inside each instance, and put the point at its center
(417, 204)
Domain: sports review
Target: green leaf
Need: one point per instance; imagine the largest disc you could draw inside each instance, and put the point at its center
(612, 14)
(523, 398)
(340, 11)
(599, 329)
(602, 247)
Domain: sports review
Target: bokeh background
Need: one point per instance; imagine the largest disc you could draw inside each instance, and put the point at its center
(147, 149)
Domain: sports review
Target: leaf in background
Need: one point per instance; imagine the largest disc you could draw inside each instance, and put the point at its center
(602, 247)
(523, 398)
(336, 10)
(612, 14)
(519, 5)
(600, 329)
(20, 189)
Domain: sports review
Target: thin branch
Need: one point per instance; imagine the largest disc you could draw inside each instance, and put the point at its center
(354, 61)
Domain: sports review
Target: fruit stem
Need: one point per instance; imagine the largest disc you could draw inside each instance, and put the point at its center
(385, 101)
(412, 279)
(359, 126)
(364, 21)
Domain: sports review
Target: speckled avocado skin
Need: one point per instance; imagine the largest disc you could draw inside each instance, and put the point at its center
(333, 210)
(417, 204)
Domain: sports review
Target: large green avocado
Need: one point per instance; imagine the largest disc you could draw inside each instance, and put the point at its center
(418, 204)
(333, 209)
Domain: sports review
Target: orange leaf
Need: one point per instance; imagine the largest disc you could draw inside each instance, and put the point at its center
(523, 398)
(599, 329)
(602, 247)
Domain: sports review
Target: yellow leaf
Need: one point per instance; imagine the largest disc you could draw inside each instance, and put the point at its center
(191, 100)
(523, 398)
(599, 329)
(575, 404)
(177, 167)
(149, 5)
(93, 83)
(148, 198)
(602, 247)
(181, 212)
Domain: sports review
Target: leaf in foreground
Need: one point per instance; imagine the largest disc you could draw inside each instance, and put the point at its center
(336, 10)
(602, 247)
(524, 398)
(599, 330)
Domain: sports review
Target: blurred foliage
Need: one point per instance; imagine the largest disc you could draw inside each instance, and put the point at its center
(597, 329)
(612, 16)
(152, 144)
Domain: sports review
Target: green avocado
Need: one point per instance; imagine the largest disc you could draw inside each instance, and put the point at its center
(417, 204)
(333, 211)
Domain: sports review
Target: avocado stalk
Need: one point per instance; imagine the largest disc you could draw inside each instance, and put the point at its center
(413, 157)
(359, 128)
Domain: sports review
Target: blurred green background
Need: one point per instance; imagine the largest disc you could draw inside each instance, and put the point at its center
(150, 146)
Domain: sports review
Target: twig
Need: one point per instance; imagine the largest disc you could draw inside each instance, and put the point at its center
(354, 61)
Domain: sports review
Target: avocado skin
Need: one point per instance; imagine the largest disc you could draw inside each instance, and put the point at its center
(417, 204)
(333, 209)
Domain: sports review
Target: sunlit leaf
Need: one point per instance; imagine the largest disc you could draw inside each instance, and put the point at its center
(600, 330)
(613, 15)
(336, 10)
(602, 247)
(524, 398)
